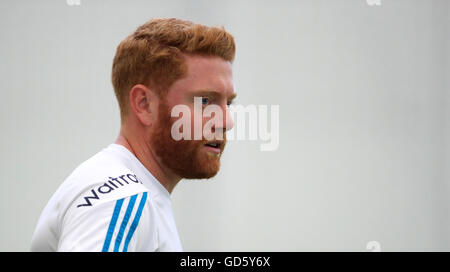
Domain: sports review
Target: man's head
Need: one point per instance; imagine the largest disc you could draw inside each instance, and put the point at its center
(169, 62)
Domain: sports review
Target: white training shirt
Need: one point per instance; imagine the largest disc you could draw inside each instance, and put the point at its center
(111, 202)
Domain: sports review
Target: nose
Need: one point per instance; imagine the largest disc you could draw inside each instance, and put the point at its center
(227, 122)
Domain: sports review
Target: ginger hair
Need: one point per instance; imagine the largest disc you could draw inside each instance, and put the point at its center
(153, 55)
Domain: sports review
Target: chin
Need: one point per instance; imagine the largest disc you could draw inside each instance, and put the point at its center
(203, 169)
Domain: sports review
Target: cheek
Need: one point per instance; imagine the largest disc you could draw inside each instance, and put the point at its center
(197, 123)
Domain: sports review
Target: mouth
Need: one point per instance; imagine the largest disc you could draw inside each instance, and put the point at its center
(215, 146)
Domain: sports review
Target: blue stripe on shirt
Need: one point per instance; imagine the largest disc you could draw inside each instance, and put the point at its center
(112, 225)
(124, 223)
(135, 221)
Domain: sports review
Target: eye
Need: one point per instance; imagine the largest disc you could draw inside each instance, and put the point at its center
(205, 100)
(229, 103)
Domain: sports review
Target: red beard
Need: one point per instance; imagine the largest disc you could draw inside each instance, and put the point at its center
(186, 158)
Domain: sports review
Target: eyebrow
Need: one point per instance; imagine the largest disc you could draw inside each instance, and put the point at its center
(212, 93)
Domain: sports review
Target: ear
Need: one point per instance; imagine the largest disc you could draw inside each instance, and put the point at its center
(143, 102)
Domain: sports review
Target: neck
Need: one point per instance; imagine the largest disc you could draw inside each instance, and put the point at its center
(143, 152)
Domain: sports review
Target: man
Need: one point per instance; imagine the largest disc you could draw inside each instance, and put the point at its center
(119, 199)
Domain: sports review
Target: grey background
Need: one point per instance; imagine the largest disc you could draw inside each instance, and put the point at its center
(364, 95)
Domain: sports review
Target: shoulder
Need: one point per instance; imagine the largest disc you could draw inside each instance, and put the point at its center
(101, 178)
(126, 224)
(110, 188)
(103, 198)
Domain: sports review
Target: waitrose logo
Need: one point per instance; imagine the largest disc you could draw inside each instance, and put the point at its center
(107, 187)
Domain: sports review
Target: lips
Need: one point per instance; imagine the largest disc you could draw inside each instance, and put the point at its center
(215, 146)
